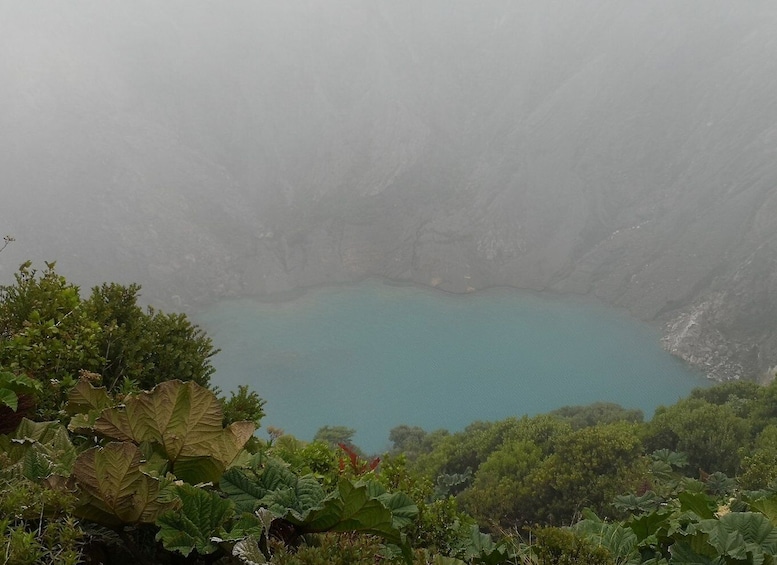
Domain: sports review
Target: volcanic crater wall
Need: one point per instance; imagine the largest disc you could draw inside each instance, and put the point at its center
(626, 150)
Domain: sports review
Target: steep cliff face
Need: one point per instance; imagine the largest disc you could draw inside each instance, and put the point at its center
(622, 149)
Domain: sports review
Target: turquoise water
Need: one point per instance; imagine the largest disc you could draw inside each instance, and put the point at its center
(371, 356)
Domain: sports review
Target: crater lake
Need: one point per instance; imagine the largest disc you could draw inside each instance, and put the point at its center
(373, 355)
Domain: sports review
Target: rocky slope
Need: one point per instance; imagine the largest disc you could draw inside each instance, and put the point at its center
(622, 149)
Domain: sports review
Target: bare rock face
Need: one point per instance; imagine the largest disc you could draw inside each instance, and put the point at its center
(729, 332)
(623, 150)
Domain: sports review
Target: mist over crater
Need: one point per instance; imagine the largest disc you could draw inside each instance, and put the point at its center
(625, 150)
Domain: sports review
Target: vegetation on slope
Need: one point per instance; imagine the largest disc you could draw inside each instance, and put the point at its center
(115, 450)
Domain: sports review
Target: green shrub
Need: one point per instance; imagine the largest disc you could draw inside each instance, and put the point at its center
(38, 526)
(333, 549)
(557, 546)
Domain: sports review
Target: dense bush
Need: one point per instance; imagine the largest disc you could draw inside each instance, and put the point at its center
(52, 335)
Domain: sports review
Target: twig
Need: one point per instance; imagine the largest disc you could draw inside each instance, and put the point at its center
(6, 241)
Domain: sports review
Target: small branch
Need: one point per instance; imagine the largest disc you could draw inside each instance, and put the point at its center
(6, 241)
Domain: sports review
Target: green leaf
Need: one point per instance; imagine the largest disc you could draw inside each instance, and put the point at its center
(755, 529)
(402, 507)
(648, 524)
(698, 541)
(244, 492)
(698, 503)
(302, 497)
(766, 506)
(84, 397)
(726, 541)
(82, 423)
(41, 432)
(196, 470)
(480, 548)
(246, 525)
(662, 471)
(683, 554)
(361, 507)
(117, 491)
(37, 446)
(620, 541)
(9, 398)
(186, 420)
(154, 461)
(201, 518)
(19, 383)
(672, 458)
(247, 550)
(35, 466)
(349, 509)
(273, 486)
(85, 402)
(632, 503)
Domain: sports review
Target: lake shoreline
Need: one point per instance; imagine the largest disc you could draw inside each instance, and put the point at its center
(384, 354)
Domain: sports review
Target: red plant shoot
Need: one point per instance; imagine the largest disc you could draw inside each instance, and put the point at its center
(358, 466)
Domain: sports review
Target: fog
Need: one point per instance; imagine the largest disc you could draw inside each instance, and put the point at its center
(617, 148)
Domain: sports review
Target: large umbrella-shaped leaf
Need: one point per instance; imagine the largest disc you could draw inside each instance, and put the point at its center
(349, 509)
(402, 507)
(480, 548)
(42, 432)
(247, 551)
(186, 420)
(632, 503)
(620, 541)
(197, 524)
(648, 525)
(117, 490)
(739, 533)
(9, 398)
(766, 506)
(243, 489)
(273, 486)
(41, 449)
(698, 503)
(300, 498)
(726, 541)
(683, 554)
(85, 397)
(84, 403)
(12, 385)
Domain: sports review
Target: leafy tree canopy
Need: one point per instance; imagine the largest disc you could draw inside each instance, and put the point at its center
(51, 334)
(334, 435)
(597, 413)
(710, 434)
